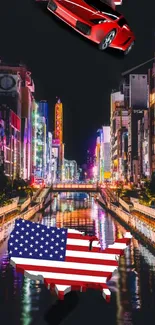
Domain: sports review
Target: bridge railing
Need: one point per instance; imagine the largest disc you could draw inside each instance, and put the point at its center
(74, 186)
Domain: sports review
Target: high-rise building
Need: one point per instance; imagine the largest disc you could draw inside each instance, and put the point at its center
(34, 118)
(118, 121)
(143, 148)
(106, 168)
(102, 163)
(49, 158)
(2, 145)
(16, 89)
(70, 170)
(10, 142)
(27, 91)
(55, 160)
(90, 163)
(151, 125)
(58, 135)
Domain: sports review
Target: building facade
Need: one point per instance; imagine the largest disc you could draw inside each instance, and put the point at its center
(10, 143)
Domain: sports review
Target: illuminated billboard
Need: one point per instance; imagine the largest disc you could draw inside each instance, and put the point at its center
(138, 91)
(59, 121)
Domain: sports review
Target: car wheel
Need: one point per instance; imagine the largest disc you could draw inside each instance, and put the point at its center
(107, 40)
(129, 48)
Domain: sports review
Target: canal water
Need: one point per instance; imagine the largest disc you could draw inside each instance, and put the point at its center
(26, 302)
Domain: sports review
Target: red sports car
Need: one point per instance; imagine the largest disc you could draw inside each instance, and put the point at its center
(95, 20)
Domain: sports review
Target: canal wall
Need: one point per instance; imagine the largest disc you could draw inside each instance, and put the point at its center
(7, 227)
(142, 208)
(133, 223)
(24, 205)
(27, 215)
(10, 207)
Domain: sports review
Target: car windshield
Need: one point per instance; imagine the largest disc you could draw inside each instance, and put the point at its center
(101, 6)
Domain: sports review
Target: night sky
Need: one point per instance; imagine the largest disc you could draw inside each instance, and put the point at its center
(64, 64)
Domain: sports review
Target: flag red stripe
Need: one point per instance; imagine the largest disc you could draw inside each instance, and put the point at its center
(123, 240)
(114, 251)
(91, 261)
(20, 267)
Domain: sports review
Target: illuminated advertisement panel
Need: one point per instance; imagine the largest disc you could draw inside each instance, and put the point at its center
(55, 152)
(59, 121)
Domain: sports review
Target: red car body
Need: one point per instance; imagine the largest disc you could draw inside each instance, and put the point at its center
(95, 20)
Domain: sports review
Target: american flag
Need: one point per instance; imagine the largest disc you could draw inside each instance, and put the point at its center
(64, 259)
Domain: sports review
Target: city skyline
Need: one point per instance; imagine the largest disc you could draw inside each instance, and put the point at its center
(82, 76)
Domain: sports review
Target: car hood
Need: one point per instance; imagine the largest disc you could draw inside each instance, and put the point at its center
(86, 12)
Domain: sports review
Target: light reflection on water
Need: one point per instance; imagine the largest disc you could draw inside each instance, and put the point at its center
(133, 287)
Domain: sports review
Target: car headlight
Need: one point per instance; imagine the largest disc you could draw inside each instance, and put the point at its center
(99, 21)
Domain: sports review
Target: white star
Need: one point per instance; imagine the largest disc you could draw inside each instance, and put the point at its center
(11, 244)
(46, 243)
(10, 252)
(30, 253)
(26, 241)
(16, 248)
(51, 247)
(57, 236)
(32, 229)
(31, 245)
(21, 244)
(12, 236)
(37, 234)
(38, 226)
(51, 255)
(61, 256)
(36, 242)
(42, 238)
(40, 254)
(32, 237)
(27, 225)
(63, 232)
(22, 237)
(17, 232)
(41, 246)
(22, 228)
(20, 253)
(62, 240)
(56, 252)
(18, 224)
(52, 239)
(23, 220)
(53, 231)
(47, 235)
(62, 248)
(36, 250)
(16, 240)
(27, 233)
(57, 244)
(46, 251)
(25, 249)
(43, 230)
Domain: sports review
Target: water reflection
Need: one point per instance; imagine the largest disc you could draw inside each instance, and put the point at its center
(24, 302)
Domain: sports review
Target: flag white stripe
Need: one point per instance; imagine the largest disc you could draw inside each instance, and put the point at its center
(118, 246)
(68, 277)
(82, 242)
(74, 231)
(89, 255)
(65, 265)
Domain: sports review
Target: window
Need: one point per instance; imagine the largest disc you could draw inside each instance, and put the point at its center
(99, 5)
